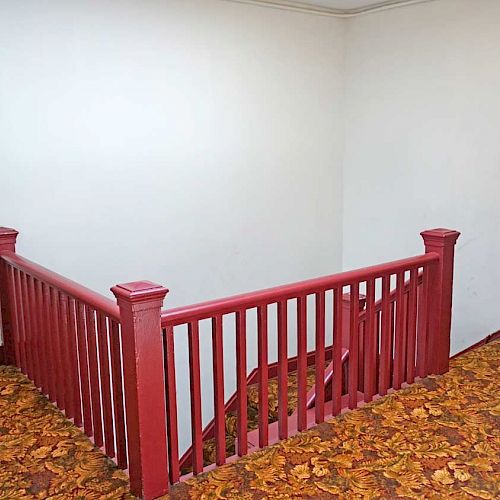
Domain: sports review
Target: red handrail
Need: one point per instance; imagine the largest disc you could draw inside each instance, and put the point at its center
(65, 285)
(227, 305)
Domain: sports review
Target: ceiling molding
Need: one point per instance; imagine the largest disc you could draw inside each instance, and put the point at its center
(327, 11)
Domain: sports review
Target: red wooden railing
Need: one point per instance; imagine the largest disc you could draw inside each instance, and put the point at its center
(112, 368)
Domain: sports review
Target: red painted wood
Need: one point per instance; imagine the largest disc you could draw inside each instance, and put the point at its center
(66, 382)
(34, 326)
(441, 242)
(184, 314)
(117, 385)
(422, 324)
(15, 315)
(370, 354)
(282, 369)
(218, 369)
(320, 358)
(60, 368)
(27, 326)
(262, 355)
(8, 238)
(107, 411)
(84, 368)
(399, 335)
(144, 384)
(353, 345)
(337, 350)
(70, 288)
(412, 326)
(302, 362)
(95, 389)
(42, 335)
(73, 353)
(50, 344)
(195, 392)
(171, 404)
(386, 338)
(241, 382)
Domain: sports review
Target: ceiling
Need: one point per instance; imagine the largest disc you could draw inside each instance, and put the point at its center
(341, 4)
(337, 8)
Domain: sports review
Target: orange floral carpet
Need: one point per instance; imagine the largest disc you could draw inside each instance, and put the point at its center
(43, 455)
(439, 438)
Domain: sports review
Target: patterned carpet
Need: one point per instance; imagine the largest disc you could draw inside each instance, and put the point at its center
(43, 455)
(436, 439)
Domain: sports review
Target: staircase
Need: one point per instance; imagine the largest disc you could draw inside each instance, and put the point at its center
(231, 416)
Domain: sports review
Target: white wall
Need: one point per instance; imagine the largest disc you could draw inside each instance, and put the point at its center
(195, 143)
(423, 145)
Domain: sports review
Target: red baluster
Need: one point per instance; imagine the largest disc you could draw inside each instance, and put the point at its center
(28, 333)
(241, 382)
(195, 391)
(423, 325)
(66, 383)
(302, 362)
(49, 330)
(337, 351)
(73, 352)
(399, 359)
(386, 338)
(412, 326)
(370, 353)
(117, 384)
(263, 376)
(353, 345)
(84, 368)
(95, 389)
(218, 369)
(103, 346)
(282, 370)
(14, 316)
(35, 334)
(320, 358)
(171, 404)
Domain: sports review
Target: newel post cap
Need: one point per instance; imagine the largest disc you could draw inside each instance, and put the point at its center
(440, 237)
(7, 233)
(8, 238)
(139, 292)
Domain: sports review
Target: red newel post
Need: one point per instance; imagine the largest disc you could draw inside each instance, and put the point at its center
(441, 242)
(144, 382)
(8, 238)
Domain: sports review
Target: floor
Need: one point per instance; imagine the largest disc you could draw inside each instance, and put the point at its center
(43, 455)
(437, 439)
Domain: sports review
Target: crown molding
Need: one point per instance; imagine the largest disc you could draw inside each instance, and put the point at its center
(327, 11)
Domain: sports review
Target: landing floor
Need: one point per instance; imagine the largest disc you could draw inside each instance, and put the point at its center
(439, 438)
(43, 455)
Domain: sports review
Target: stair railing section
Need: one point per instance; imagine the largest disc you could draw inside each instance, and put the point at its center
(408, 329)
(112, 368)
(93, 358)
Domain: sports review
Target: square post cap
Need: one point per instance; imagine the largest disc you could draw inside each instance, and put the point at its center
(440, 237)
(8, 238)
(138, 292)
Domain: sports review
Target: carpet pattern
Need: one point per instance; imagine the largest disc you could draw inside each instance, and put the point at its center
(439, 438)
(43, 455)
